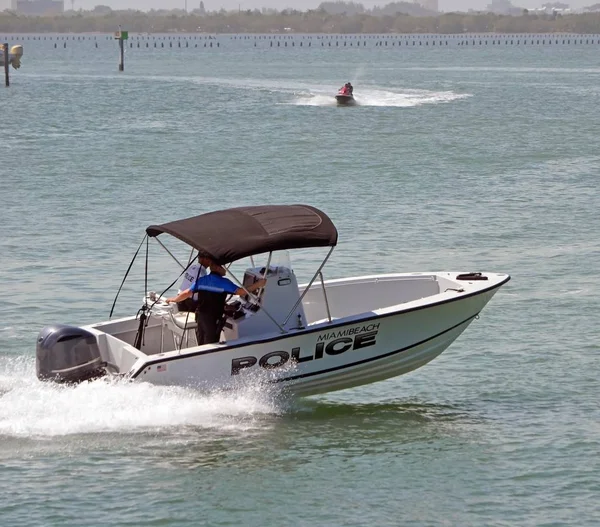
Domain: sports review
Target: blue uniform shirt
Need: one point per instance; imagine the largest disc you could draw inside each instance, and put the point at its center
(214, 283)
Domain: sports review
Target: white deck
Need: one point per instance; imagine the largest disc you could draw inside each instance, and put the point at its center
(348, 297)
(407, 309)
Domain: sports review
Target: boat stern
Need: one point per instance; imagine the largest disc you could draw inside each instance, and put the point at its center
(70, 354)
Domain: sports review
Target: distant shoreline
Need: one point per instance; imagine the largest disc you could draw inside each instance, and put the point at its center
(299, 23)
(173, 35)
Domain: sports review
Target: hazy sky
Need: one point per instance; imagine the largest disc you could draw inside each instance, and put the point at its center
(445, 5)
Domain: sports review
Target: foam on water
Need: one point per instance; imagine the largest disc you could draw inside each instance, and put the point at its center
(305, 94)
(383, 97)
(32, 409)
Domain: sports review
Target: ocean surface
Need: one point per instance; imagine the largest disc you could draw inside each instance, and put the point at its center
(473, 159)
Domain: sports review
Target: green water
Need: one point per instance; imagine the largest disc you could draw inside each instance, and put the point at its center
(455, 159)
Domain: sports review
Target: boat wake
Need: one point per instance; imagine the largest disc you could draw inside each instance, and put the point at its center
(312, 94)
(383, 98)
(37, 410)
(303, 94)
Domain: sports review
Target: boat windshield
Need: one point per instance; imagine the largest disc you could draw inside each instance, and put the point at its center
(282, 259)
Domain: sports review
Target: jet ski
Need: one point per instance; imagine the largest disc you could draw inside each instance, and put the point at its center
(345, 97)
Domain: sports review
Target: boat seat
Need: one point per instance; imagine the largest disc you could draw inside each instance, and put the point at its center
(181, 330)
(184, 319)
(179, 321)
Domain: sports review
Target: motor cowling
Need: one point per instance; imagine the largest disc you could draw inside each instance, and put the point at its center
(68, 354)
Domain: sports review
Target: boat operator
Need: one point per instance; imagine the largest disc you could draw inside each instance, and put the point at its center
(192, 274)
(212, 290)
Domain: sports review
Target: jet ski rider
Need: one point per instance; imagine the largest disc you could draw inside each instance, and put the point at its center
(348, 89)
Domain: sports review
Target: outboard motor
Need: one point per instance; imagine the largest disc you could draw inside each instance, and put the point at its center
(67, 354)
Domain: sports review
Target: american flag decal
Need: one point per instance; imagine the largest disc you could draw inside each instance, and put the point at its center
(161, 367)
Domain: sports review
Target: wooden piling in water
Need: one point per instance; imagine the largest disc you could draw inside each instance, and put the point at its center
(122, 55)
(121, 36)
(6, 65)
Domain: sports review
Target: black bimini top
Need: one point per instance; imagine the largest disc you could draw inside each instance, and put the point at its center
(228, 235)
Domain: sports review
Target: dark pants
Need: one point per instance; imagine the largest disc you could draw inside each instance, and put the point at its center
(206, 329)
(189, 304)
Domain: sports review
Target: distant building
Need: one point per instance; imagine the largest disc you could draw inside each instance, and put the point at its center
(552, 8)
(503, 7)
(555, 5)
(430, 5)
(38, 7)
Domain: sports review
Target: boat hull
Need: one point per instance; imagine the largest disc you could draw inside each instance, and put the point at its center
(332, 356)
(345, 100)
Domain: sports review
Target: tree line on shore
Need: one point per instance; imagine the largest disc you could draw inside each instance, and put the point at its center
(105, 20)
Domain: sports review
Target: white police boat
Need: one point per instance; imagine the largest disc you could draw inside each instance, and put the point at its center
(307, 339)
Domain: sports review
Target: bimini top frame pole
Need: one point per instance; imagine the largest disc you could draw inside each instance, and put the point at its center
(257, 300)
(126, 274)
(184, 268)
(173, 256)
(308, 287)
(325, 296)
